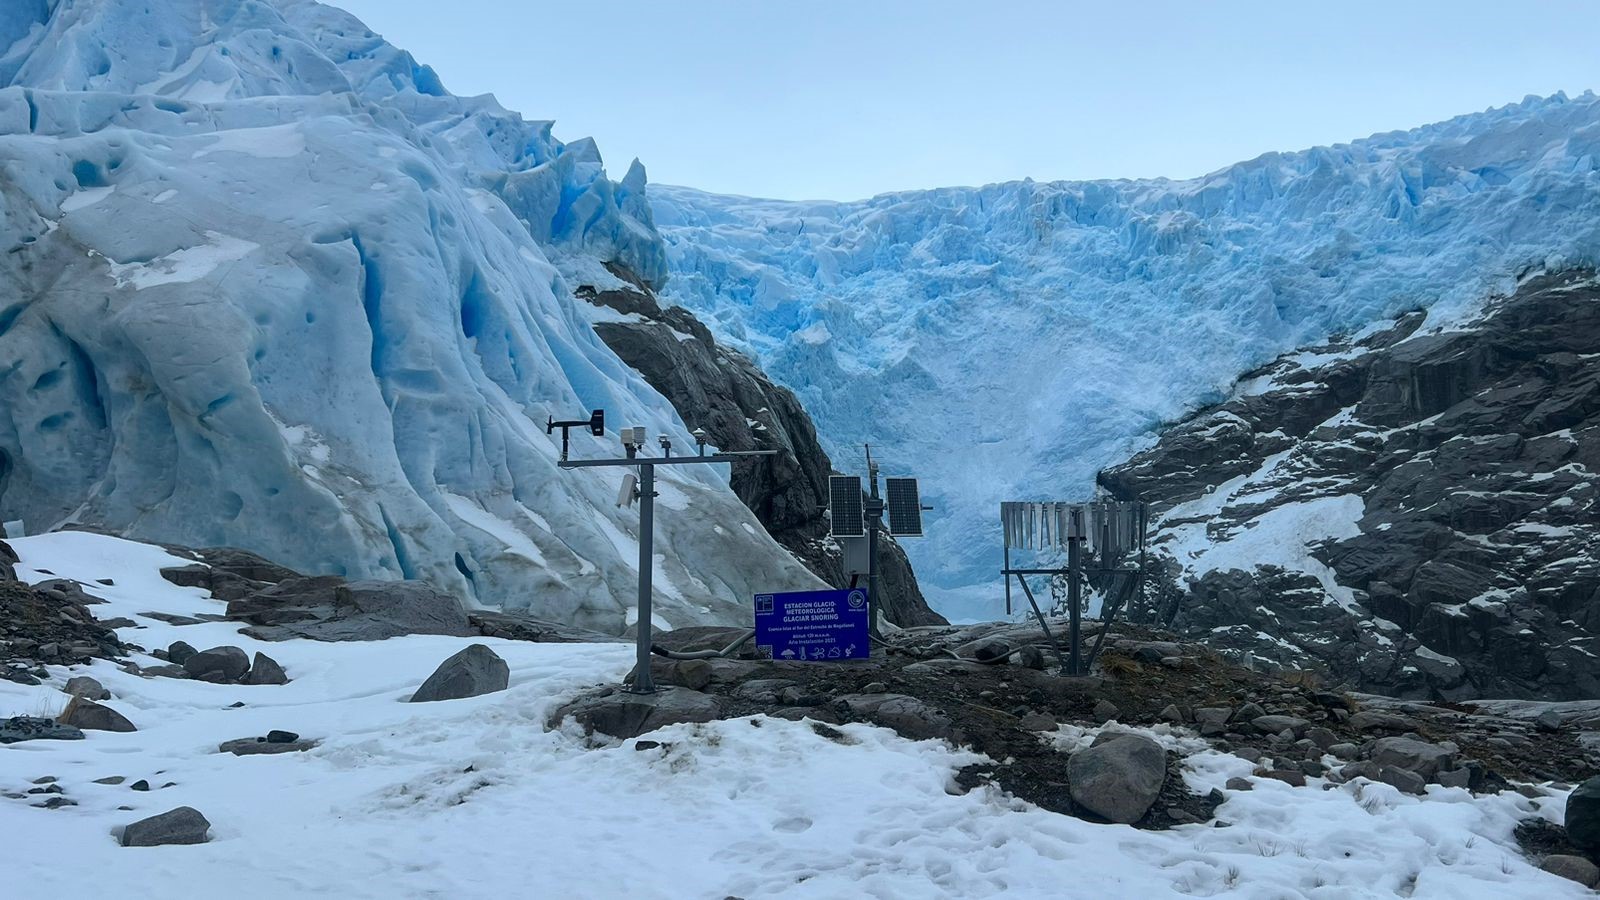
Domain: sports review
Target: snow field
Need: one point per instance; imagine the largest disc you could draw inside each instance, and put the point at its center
(473, 798)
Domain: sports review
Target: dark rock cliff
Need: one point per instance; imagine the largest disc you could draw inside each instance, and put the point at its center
(1438, 487)
(721, 391)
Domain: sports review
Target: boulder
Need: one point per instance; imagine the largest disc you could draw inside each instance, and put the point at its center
(36, 728)
(91, 716)
(1277, 724)
(219, 663)
(1404, 780)
(179, 652)
(1423, 758)
(1119, 779)
(908, 716)
(1583, 816)
(184, 825)
(1377, 720)
(1212, 720)
(1105, 711)
(258, 746)
(1572, 868)
(625, 715)
(474, 671)
(87, 688)
(265, 670)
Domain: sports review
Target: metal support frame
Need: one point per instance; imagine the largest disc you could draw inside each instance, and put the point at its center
(643, 681)
(1074, 661)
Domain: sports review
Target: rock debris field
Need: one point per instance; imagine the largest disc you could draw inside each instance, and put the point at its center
(370, 760)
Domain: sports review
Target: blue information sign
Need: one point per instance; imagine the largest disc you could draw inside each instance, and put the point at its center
(813, 625)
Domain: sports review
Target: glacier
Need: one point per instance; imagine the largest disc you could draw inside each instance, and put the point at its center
(264, 282)
(1009, 341)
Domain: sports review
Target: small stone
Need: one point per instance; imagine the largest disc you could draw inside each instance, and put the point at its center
(646, 745)
(1345, 750)
(1280, 724)
(91, 716)
(260, 746)
(87, 688)
(1572, 868)
(1248, 713)
(1456, 778)
(1028, 657)
(1548, 721)
(1293, 777)
(282, 737)
(1172, 662)
(1404, 780)
(184, 825)
(1039, 722)
(1118, 779)
(48, 779)
(474, 671)
(876, 687)
(1583, 816)
(1105, 711)
(140, 785)
(1172, 714)
(110, 779)
(179, 652)
(219, 664)
(1240, 784)
(1323, 738)
(265, 670)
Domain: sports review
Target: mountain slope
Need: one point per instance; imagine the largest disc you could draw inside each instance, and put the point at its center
(1008, 341)
(1414, 511)
(264, 282)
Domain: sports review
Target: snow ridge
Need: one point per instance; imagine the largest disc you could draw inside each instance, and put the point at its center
(1008, 341)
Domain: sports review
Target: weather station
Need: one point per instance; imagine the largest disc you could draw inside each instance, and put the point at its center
(642, 487)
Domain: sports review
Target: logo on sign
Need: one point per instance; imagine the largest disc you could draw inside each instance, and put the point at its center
(858, 599)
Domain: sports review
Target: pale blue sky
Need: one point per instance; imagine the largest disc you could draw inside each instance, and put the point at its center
(842, 99)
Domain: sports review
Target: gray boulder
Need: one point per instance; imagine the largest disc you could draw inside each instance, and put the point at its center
(1119, 779)
(1277, 724)
(178, 652)
(1404, 780)
(265, 670)
(1583, 816)
(258, 746)
(91, 716)
(184, 825)
(1423, 758)
(87, 688)
(624, 715)
(1572, 868)
(908, 716)
(474, 671)
(224, 663)
(36, 728)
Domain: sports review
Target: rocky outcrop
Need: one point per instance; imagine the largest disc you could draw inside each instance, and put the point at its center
(723, 392)
(1412, 511)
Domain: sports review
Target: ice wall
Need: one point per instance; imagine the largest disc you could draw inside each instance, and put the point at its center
(1006, 342)
(264, 282)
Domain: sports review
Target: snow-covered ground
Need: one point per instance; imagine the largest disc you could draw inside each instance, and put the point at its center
(474, 798)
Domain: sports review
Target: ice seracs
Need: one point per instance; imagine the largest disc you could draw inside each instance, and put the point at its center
(1008, 341)
(265, 283)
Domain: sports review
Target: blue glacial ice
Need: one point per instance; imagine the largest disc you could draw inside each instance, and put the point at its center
(265, 283)
(1006, 342)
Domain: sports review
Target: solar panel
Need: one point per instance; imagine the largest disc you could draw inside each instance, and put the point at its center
(905, 507)
(844, 506)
